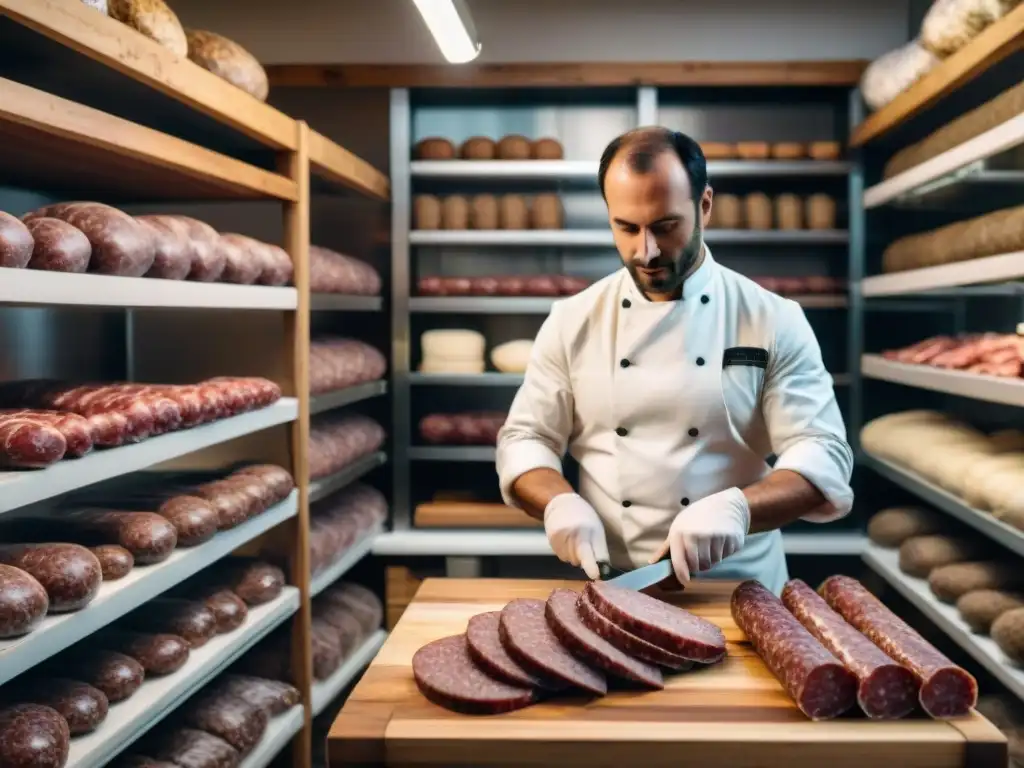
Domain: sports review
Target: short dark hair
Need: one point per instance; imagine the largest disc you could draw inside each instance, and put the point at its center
(645, 144)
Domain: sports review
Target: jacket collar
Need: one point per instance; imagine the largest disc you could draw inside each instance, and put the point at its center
(694, 286)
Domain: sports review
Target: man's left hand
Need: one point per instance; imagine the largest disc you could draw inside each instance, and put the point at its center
(707, 532)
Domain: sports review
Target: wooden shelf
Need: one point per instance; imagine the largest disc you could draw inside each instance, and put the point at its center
(50, 143)
(337, 165)
(989, 48)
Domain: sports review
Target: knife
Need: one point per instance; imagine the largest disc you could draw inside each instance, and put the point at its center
(638, 579)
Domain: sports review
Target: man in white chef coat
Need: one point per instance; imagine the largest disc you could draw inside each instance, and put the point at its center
(671, 382)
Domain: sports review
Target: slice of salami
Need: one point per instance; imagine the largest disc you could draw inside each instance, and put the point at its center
(946, 689)
(886, 689)
(816, 681)
(525, 634)
(627, 642)
(484, 646)
(565, 622)
(447, 676)
(659, 623)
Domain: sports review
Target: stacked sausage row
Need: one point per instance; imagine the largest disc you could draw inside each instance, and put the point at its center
(985, 471)
(335, 363)
(990, 354)
(340, 520)
(335, 441)
(487, 212)
(462, 428)
(785, 212)
(332, 272)
(42, 422)
(70, 695)
(960, 570)
(780, 150)
(840, 647)
(92, 237)
(802, 286)
(61, 560)
(510, 147)
(573, 641)
(507, 285)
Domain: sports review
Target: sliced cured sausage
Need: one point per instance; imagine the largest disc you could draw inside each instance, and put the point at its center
(627, 642)
(484, 645)
(659, 623)
(565, 622)
(946, 689)
(447, 676)
(886, 690)
(816, 681)
(526, 636)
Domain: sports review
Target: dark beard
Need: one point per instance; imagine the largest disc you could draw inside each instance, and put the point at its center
(675, 272)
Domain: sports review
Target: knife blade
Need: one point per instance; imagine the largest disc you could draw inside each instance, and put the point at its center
(638, 579)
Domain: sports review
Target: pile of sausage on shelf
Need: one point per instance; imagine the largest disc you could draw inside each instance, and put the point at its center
(780, 150)
(338, 440)
(487, 212)
(480, 428)
(831, 652)
(961, 568)
(44, 421)
(783, 212)
(339, 521)
(511, 147)
(506, 285)
(93, 237)
(73, 694)
(338, 362)
(809, 285)
(990, 354)
(333, 272)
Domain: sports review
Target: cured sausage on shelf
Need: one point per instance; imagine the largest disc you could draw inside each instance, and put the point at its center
(992, 354)
(33, 735)
(70, 574)
(946, 689)
(333, 272)
(81, 705)
(335, 441)
(340, 520)
(501, 285)
(462, 428)
(335, 363)
(23, 602)
(16, 243)
(29, 444)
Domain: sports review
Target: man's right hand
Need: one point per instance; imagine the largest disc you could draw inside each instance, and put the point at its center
(576, 532)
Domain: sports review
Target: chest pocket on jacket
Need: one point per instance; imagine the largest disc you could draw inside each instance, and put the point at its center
(743, 371)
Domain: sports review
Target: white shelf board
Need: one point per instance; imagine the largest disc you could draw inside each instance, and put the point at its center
(488, 379)
(18, 489)
(159, 696)
(31, 287)
(943, 168)
(117, 598)
(991, 269)
(496, 542)
(325, 486)
(495, 170)
(325, 691)
(992, 389)
(885, 562)
(339, 398)
(342, 565)
(338, 302)
(573, 238)
(280, 731)
(981, 521)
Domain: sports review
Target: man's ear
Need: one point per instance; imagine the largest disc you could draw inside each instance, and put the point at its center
(705, 205)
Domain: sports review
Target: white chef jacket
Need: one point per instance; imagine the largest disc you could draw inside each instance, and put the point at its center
(664, 403)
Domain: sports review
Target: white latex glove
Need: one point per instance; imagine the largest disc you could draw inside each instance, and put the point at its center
(707, 532)
(576, 532)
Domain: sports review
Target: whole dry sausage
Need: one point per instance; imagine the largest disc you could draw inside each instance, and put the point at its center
(33, 736)
(348, 633)
(159, 654)
(326, 648)
(447, 675)
(148, 536)
(278, 479)
(528, 639)
(241, 264)
(59, 247)
(254, 581)
(816, 681)
(229, 610)
(658, 622)
(190, 748)
(172, 250)
(235, 720)
(194, 519)
(208, 261)
(23, 602)
(117, 675)
(29, 444)
(16, 242)
(116, 562)
(232, 506)
(272, 696)
(70, 574)
(360, 601)
(627, 642)
(188, 619)
(78, 433)
(279, 269)
(82, 706)
(886, 689)
(946, 689)
(584, 643)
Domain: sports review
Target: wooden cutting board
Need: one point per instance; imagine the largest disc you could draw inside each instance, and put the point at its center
(731, 714)
(471, 514)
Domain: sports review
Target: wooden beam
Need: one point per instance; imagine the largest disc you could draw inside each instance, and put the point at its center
(994, 44)
(842, 73)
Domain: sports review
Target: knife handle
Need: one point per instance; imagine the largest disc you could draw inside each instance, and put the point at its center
(605, 570)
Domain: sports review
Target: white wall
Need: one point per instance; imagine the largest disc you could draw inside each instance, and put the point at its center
(391, 31)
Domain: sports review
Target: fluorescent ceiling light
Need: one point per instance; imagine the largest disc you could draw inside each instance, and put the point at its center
(450, 24)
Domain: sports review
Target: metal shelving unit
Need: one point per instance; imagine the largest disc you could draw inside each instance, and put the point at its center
(329, 401)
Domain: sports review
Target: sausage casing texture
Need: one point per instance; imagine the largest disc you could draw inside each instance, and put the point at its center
(23, 602)
(70, 574)
(81, 705)
(191, 748)
(27, 443)
(148, 536)
(79, 434)
(189, 619)
(33, 736)
(233, 719)
(172, 248)
(254, 581)
(116, 674)
(59, 247)
(272, 696)
(16, 242)
(116, 562)
(159, 654)
(193, 518)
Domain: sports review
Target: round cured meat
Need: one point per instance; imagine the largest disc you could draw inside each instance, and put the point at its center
(526, 636)
(564, 620)
(446, 674)
(627, 642)
(484, 645)
(659, 623)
